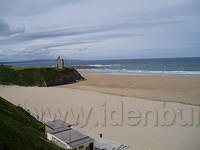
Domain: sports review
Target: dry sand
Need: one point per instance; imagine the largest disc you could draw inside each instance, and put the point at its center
(183, 89)
(136, 122)
(131, 121)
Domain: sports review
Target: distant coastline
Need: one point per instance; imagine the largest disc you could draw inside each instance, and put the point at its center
(150, 66)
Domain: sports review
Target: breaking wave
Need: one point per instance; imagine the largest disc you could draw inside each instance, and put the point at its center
(146, 72)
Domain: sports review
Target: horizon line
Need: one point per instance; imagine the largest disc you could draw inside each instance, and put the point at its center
(15, 61)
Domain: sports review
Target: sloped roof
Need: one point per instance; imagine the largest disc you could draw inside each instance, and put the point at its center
(71, 136)
(64, 132)
(55, 124)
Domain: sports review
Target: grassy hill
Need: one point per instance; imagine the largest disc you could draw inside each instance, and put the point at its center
(21, 131)
(35, 76)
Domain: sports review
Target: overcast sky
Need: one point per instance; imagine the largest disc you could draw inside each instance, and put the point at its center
(99, 29)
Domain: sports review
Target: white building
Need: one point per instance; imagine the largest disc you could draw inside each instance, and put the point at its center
(66, 137)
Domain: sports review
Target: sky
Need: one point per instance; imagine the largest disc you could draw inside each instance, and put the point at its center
(99, 29)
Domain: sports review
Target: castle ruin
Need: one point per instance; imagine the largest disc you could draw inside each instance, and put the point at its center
(60, 63)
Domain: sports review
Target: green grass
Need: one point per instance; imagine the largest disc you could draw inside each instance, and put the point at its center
(37, 76)
(20, 131)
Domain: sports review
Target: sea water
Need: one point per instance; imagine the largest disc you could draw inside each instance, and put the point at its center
(156, 66)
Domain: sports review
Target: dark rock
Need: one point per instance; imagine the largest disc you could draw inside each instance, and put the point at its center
(64, 80)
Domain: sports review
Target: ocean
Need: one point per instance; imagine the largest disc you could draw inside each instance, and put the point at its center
(158, 66)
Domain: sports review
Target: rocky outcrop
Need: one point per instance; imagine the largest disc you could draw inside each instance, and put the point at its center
(64, 80)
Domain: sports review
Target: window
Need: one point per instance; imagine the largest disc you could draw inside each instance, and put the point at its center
(81, 148)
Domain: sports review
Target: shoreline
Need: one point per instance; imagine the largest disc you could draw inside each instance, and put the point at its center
(90, 71)
(99, 70)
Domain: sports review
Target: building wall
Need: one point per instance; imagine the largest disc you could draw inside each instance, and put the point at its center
(60, 63)
(57, 141)
(47, 129)
(85, 145)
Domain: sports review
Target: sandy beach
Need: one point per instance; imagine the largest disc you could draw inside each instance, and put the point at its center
(182, 89)
(118, 107)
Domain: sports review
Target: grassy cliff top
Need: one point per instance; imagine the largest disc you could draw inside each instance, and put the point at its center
(37, 76)
(21, 131)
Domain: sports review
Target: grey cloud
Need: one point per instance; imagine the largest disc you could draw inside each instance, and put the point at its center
(84, 30)
(5, 30)
(188, 8)
(48, 47)
(32, 7)
(36, 50)
(114, 36)
(41, 52)
(191, 7)
(83, 49)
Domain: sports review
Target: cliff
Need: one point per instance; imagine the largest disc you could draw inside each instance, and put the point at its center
(33, 76)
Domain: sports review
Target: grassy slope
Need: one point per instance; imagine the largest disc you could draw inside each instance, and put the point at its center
(33, 76)
(20, 131)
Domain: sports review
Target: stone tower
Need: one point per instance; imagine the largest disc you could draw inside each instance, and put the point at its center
(60, 63)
